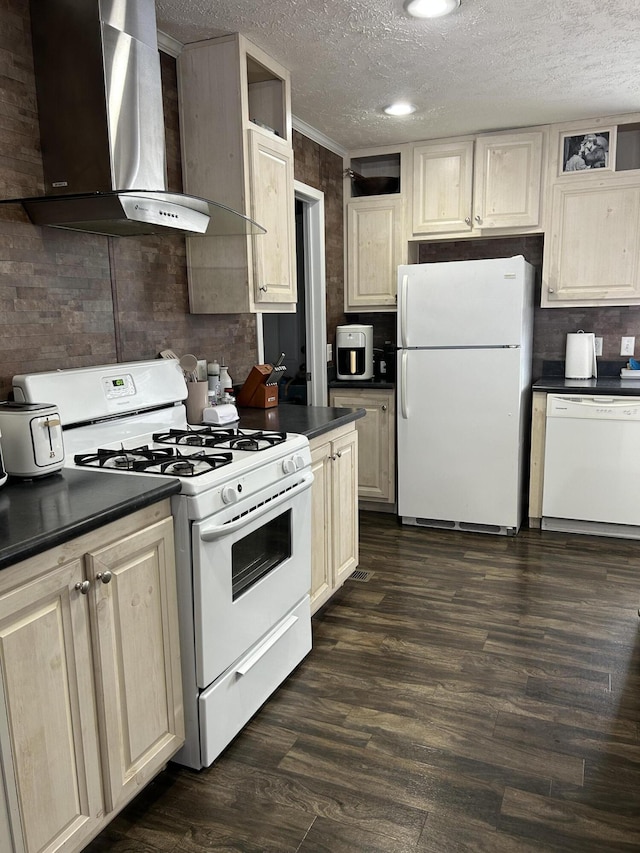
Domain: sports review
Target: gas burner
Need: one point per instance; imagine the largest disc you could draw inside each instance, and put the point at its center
(228, 439)
(255, 440)
(203, 437)
(163, 460)
(122, 459)
(192, 465)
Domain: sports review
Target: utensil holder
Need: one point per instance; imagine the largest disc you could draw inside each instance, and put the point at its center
(197, 401)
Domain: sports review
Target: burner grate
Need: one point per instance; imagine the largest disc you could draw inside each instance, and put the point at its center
(163, 460)
(223, 438)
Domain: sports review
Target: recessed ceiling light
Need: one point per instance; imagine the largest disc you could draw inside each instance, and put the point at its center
(430, 8)
(401, 108)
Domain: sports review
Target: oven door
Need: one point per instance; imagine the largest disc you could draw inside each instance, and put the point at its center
(251, 566)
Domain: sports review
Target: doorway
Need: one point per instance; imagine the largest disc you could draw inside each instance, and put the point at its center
(302, 336)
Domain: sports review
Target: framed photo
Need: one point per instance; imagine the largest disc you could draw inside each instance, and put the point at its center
(580, 152)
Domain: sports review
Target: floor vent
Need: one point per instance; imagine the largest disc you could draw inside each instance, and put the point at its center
(360, 575)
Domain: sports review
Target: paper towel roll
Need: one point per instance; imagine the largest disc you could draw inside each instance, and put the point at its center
(580, 358)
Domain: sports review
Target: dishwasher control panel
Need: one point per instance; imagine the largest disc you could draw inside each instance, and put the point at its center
(593, 407)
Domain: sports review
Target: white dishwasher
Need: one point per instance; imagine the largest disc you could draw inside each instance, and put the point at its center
(592, 465)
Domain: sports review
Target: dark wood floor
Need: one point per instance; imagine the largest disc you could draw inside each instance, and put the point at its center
(478, 693)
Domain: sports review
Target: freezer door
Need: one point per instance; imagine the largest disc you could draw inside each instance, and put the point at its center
(461, 423)
(465, 303)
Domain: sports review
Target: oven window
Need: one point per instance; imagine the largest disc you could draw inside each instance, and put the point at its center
(256, 554)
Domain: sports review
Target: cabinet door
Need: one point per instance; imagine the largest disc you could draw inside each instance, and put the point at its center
(47, 713)
(507, 171)
(376, 451)
(344, 459)
(272, 205)
(374, 251)
(321, 529)
(592, 252)
(134, 615)
(442, 185)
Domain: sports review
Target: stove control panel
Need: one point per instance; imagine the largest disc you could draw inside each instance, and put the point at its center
(118, 386)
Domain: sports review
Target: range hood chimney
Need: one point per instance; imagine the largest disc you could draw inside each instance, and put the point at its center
(99, 93)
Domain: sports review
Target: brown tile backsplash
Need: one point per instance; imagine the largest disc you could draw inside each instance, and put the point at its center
(70, 300)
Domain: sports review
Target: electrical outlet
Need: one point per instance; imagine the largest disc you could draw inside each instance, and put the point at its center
(627, 345)
(329, 352)
(598, 346)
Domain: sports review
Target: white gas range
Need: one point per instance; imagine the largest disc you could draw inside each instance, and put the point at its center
(242, 531)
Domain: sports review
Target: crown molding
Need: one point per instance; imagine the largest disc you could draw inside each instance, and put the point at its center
(167, 44)
(316, 136)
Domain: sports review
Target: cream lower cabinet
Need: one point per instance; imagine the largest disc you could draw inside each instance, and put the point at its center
(376, 441)
(90, 692)
(334, 526)
(375, 248)
(592, 248)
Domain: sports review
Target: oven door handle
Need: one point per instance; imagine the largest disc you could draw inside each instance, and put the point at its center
(251, 660)
(213, 532)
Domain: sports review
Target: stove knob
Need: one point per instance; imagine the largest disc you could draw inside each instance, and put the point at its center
(229, 495)
(288, 466)
(298, 461)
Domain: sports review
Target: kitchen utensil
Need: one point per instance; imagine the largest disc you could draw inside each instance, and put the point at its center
(168, 353)
(189, 365)
(276, 371)
(31, 439)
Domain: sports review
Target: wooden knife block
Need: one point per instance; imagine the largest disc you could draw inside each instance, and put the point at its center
(256, 393)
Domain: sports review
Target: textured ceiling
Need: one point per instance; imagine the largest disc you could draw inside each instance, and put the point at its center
(492, 64)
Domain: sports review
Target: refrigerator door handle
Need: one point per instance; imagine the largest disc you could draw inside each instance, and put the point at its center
(404, 293)
(403, 384)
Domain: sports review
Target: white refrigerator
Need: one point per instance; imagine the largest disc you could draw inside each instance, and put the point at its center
(465, 333)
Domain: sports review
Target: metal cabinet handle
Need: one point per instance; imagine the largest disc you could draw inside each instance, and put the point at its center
(467, 220)
(384, 407)
(83, 587)
(105, 577)
(478, 220)
(263, 288)
(550, 289)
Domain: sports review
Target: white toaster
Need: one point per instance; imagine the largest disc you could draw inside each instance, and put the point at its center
(31, 439)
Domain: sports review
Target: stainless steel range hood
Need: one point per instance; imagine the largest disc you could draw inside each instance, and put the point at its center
(99, 93)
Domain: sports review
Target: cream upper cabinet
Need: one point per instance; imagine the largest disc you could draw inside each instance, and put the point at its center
(375, 248)
(236, 139)
(592, 250)
(477, 187)
(334, 527)
(442, 187)
(376, 440)
(507, 180)
(592, 242)
(272, 205)
(90, 691)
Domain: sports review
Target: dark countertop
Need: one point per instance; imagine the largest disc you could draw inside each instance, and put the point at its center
(311, 421)
(38, 514)
(610, 385)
